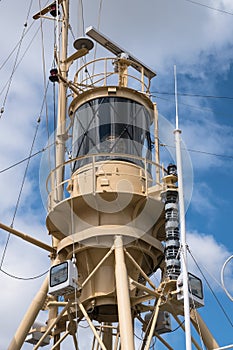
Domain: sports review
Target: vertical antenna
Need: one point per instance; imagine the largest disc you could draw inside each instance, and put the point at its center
(57, 28)
(62, 105)
(184, 266)
(176, 99)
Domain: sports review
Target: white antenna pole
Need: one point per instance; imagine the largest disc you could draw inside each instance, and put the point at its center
(62, 106)
(184, 265)
(57, 29)
(176, 101)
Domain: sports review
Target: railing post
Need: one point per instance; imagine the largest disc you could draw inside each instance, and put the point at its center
(105, 72)
(93, 175)
(146, 178)
(142, 79)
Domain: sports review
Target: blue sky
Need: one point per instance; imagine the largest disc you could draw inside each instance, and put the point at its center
(160, 33)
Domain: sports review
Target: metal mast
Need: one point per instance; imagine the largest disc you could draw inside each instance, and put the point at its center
(108, 219)
(61, 134)
(184, 263)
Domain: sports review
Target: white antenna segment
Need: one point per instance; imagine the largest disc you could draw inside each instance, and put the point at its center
(117, 50)
(184, 266)
(176, 99)
(57, 27)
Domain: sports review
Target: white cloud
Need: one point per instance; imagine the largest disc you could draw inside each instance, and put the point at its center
(209, 254)
(210, 137)
(160, 34)
(203, 199)
(163, 31)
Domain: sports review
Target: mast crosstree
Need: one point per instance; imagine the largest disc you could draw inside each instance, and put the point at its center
(110, 217)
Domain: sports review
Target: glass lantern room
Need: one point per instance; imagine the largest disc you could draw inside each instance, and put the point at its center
(113, 128)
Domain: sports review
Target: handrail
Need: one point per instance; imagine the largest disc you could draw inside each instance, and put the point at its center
(93, 161)
(107, 72)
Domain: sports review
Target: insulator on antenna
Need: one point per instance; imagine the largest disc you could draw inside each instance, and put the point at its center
(53, 75)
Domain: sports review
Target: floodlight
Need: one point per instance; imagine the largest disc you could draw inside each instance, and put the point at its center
(63, 278)
(196, 295)
(163, 323)
(117, 50)
(35, 334)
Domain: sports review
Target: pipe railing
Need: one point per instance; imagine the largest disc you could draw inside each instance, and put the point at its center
(147, 166)
(86, 80)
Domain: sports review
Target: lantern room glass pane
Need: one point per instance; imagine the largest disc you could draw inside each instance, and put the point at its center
(112, 125)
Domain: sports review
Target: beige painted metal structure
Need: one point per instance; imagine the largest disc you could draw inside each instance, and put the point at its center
(109, 216)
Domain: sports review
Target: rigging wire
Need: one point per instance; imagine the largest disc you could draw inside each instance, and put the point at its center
(30, 153)
(198, 324)
(211, 289)
(25, 173)
(73, 255)
(24, 278)
(99, 14)
(72, 32)
(199, 151)
(161, 144)
(15, 62)
(38, 152)
(44, 68)
(96, 45)
(28, 158)
(45, 86)
(193, 307)
(26, 50)
(81, 16)
(180, 325)
(139, 338)
(20, 193)
(192, 95)
(210, 7)
(98, 26)
(185, 104)
(15, 48)
(25, 159)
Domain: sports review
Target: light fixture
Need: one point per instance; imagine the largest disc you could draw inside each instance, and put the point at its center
(196, 295)
(83, 43)
(63, 278)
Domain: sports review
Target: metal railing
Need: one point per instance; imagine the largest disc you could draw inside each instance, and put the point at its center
(114, 72)
(95, 162)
